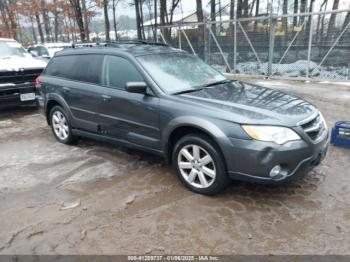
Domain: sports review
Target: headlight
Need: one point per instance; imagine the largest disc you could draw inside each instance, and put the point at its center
(323, 121)
(277, 134)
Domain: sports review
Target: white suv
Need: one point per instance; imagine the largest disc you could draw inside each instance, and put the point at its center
(18, 71)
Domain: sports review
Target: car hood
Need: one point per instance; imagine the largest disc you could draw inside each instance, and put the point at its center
(16, 63)
(251, 104)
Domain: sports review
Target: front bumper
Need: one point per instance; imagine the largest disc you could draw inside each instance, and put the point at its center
(253, 160)
(11, 94)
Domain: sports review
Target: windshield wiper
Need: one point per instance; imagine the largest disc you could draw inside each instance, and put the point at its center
(188, 91)
(218, 83)
(198, 88)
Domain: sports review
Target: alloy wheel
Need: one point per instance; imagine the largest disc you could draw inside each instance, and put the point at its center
(60, 125)
(196, 166)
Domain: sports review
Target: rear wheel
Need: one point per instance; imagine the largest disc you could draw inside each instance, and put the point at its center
(200, 165)
(61, 127)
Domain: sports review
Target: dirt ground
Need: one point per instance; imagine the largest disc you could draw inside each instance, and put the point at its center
(95, 198)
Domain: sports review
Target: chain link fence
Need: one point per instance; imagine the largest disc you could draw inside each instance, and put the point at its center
(305, 46)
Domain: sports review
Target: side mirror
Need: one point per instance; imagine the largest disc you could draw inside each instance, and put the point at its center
(136, 87)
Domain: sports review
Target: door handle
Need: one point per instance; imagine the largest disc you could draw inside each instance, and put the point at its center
(106, 97)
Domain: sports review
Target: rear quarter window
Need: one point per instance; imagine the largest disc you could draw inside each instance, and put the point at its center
(84, 68)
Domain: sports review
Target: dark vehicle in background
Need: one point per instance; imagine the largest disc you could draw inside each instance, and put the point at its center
(18, 71)
(171, 103)
(47, 50)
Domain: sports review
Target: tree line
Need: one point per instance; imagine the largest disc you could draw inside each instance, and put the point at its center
(48, 19)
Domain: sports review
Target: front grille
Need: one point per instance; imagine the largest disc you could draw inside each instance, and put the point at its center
(19, 77)
(12, 82)
(314, 128)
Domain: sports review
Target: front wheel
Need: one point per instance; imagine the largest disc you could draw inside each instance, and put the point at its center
(61, 127)
(200, 165)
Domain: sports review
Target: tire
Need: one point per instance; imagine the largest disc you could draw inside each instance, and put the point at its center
(60, 126)
(191, 172)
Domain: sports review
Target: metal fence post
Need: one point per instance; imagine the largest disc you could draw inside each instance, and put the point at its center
(179, 35)
(271, 40)
(205, 40)
(309, 46)
(209, 45)
(235, 47)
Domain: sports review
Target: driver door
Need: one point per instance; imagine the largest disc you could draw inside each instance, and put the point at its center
(128, 116)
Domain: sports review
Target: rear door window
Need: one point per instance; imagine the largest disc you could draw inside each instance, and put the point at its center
(117, 71)
(84, 68)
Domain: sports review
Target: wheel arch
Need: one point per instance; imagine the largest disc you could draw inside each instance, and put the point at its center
(189, 125)
(55, 100)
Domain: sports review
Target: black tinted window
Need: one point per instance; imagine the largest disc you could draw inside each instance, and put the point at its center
(117, 71)
(85, 68)
(60, 66)
(42, 51)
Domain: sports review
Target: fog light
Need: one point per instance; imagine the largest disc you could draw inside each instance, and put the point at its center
(275, 171)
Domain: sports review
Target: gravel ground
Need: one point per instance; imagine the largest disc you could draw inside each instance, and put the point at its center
(95, 198)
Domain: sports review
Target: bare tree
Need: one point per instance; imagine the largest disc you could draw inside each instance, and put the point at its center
(78, 17)
(200, 18)
(308, 26)
(331, 25)
(27, 9)
(106, 16)
(303, 9)
(213, 15)
(38, 23)
(199, 11)
(320, 26)
(33, 30)
(257, 6)
(174, 4)
(138, 18)
(167, 17)
(141, 19)
(9, 8)
(296, 7)
(164, 19)
(114, 7)
(232, 15)
(239, 8)
(5, 21)
(285, 21)
(245, 8)
(155, 19)
(45, 15)
(86, 19)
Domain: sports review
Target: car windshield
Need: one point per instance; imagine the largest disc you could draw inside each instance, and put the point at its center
(8, 49)
(177, 72)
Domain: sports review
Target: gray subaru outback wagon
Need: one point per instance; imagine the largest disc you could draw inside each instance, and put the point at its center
(168, 102)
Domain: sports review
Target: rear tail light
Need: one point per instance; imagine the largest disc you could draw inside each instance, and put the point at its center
(38, 81)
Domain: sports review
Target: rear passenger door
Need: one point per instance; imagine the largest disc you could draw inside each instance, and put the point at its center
(78, 82)
(128, 116)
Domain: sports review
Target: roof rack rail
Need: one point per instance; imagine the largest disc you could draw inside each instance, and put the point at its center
(137, 42)
(86, 44)
(116, 43)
